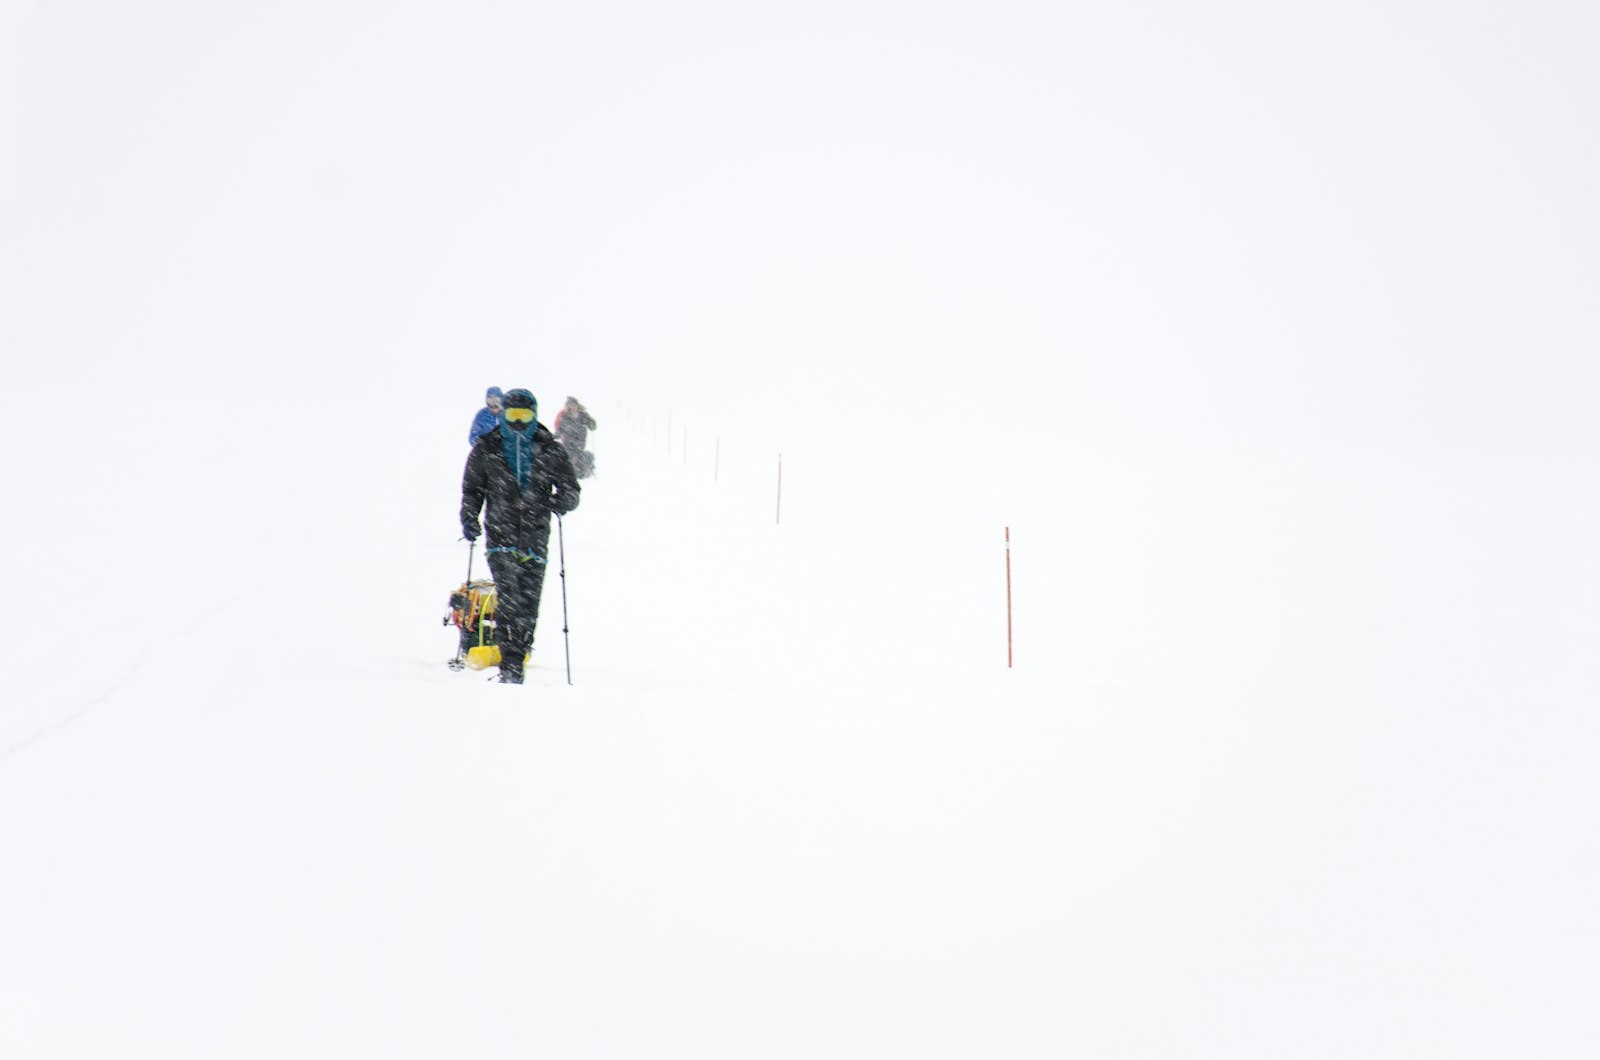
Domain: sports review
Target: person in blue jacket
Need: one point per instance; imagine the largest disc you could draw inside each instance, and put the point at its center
(488, 417)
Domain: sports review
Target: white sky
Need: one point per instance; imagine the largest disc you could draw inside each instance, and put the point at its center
(1333, 224)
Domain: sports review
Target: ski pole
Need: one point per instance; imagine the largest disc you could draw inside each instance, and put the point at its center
(566, 640)
(456, 663)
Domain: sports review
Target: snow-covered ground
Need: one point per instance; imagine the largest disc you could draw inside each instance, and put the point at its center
(1294, 760)
(1269, 334)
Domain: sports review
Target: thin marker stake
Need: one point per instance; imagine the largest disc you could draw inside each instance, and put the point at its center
(779, 517)
(1008, 597)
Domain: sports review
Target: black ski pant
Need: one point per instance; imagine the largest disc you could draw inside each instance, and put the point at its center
(518, 581)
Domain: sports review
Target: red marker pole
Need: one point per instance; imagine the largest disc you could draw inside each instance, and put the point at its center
(1008, 597)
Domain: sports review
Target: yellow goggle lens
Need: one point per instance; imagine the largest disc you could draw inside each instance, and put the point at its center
(519, 415)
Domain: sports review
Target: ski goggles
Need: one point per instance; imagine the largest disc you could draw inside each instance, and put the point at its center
(519, 415)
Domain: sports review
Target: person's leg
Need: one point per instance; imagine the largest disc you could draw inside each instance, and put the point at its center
(509, 614)
(533, 580)
(519, 582)
(532, 590)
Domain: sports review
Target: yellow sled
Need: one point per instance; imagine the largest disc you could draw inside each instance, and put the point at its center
(472, 613)
(483, 656)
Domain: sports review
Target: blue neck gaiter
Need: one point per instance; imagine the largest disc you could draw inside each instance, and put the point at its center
(519, 450)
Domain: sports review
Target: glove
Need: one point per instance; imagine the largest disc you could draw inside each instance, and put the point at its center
(470, 530)
(561, 502)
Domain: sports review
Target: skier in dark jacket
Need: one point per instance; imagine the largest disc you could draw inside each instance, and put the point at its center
(573, 424)
(524, 475)
(487, 417)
